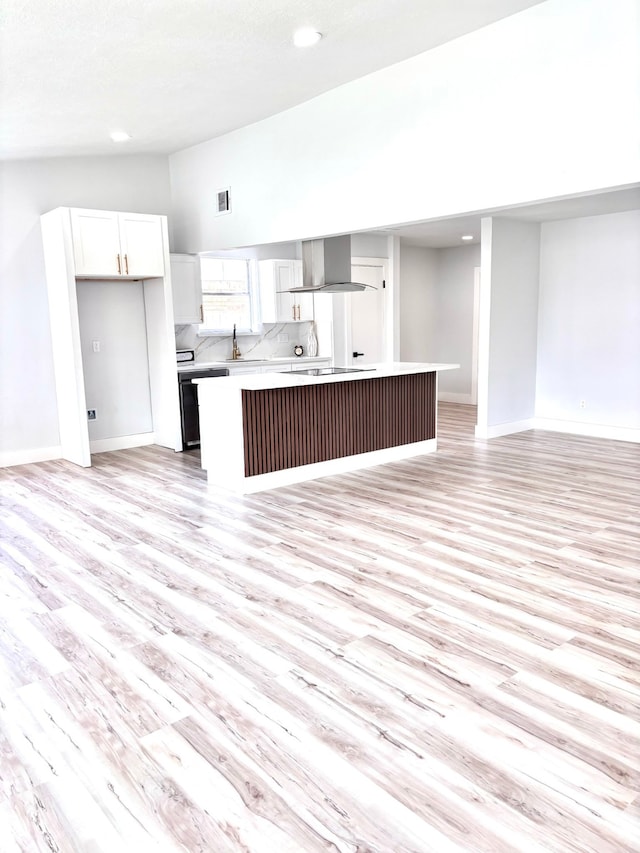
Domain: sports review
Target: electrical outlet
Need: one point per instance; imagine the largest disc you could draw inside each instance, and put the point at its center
(283, 338)
(96, 346)
(91, 414)
(583, 404)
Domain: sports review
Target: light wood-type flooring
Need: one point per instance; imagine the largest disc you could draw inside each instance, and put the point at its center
(442, 654)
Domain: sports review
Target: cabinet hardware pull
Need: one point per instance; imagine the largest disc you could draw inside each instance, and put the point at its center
(201, 313)
(119, 267)
(293, 308)
(126, 265)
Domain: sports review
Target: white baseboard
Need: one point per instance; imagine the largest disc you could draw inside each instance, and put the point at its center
(452, 397)
(26, 457)
(496, 430)
(302, 473)
(122, 442)
(591, 430)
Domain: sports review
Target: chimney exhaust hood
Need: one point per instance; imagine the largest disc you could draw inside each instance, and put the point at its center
(326, 267)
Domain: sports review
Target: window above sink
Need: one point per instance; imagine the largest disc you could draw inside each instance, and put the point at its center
(229, 296)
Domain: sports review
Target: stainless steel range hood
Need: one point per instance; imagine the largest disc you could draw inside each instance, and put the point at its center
(326, 267)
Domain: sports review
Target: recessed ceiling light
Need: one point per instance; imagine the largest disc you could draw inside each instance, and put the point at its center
(120, 136)
(467, 236)
(306, 36)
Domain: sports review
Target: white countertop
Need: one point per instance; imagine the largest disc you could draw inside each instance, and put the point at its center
(303, 361)
(258, 381)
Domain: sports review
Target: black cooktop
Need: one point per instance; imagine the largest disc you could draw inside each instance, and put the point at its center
(328, 371)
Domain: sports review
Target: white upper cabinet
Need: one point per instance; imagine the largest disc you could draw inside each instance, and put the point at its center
(113, 245)
(303, 305)
(277, 306)
(186, 286)
(96, 242)
(141, 244)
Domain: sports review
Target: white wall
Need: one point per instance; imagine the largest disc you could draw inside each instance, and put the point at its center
(116, 379)
(275, 251)
(589, 322)
(437, 311)
(28, 414)
(418, 300)
(369, 246)
(541, 104)
(454, 314)
(508, 328)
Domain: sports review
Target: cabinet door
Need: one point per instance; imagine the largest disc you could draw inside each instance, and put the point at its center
(304, 301)
(304, 308)
(291, 307)
(285, 277)
(235, 370)
(277, 306)
(96, 243)
(267, 290)
(141, 245)
(280, 368)
(186, 288)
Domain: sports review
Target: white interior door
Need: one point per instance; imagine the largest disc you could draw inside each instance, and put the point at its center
(366, 313)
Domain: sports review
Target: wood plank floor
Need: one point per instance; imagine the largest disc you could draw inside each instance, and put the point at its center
(442, 654)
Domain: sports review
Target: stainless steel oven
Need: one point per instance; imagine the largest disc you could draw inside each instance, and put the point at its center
(189, 403)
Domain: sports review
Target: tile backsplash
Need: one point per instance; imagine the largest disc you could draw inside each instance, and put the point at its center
(266, 345)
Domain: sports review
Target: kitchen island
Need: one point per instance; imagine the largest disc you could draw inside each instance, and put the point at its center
(260, 431)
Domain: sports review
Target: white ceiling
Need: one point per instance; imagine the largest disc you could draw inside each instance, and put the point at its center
(447, 233)
(177, 72)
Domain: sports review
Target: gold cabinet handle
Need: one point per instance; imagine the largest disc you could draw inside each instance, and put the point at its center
(119, 267)
(126, 265)
(293, 309)
(201, 313)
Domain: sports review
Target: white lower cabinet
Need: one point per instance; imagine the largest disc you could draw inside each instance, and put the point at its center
(280, 368)
(235, 370)
(277, 367)
(296, 365)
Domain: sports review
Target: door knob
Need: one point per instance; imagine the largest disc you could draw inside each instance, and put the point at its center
(356, 354)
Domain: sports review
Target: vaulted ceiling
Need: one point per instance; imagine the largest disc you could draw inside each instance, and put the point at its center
(173, 73)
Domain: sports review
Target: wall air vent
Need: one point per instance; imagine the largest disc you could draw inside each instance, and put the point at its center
(223, 201)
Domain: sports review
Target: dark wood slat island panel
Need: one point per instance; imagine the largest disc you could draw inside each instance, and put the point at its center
(287, 427)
